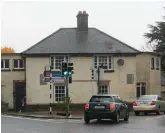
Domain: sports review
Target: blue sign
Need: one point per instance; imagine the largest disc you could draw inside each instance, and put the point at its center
(57, 76)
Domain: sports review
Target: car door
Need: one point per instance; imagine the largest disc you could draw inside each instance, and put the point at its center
(160, 103)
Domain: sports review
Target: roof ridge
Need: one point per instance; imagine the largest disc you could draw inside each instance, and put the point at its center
(41, 41)
(117, 40)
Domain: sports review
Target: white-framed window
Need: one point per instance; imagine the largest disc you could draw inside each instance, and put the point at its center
(155, 63)
(104, 60)
(140, 89)
(55, 61)
(103, 89)
(18, 64)
(59, 91)
(5, 64)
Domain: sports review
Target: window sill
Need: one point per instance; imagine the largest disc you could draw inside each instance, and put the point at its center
(155, 68)
(5, 70)
(18, 69)
(108, 71)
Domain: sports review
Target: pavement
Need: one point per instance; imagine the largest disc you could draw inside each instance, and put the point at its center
(136, 124)
(46, 115)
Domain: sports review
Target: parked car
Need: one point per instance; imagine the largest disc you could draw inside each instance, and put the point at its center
(105, 107)
(149, 104)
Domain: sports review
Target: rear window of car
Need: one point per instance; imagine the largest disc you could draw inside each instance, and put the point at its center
(147, 98)
(101, 99)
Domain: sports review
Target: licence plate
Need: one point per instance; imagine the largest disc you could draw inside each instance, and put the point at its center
(99, 107)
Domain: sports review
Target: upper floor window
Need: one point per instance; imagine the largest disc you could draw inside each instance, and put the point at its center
(152, 63)
(5, 64)
(18, 64)
(55, 61)
(104, 60)
(155, 63)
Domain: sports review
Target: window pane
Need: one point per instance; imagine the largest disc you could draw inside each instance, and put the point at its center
(1, 63)
(101, 99)
(143, 90)
(6, 63)
(15, 63)
(137, 92)
(60, 93)
(21, 64)
(152, 63)
(103, 89)
(157, 62)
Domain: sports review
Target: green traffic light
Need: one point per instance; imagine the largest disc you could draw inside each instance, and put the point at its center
(65, 73)
(69, 73)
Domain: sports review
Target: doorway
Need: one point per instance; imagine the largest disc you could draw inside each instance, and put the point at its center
(19, 93)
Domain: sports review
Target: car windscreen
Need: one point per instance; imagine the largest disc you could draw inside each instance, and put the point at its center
(147, 97)
(101, 99)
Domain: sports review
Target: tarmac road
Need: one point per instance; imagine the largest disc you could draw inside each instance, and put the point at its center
(136, 124)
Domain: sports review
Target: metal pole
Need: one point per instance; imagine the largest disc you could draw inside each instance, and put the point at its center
(50, 111)
(67, 98)
(98, 82)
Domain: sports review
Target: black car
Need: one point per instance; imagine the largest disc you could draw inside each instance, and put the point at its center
(106, 107)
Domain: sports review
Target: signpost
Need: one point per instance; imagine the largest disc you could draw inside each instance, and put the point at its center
(65, 76)
(48, 75)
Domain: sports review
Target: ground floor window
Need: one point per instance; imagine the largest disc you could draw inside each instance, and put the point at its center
(140, 89)
(59, 93)
(103, 89)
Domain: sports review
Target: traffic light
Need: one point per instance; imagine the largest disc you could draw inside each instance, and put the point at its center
(70, 79)
(64, 69)
(92, 71)
(70, 68)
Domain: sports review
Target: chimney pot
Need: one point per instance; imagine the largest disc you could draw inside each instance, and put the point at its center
(84, 12)
(80, 12)
(82, 21)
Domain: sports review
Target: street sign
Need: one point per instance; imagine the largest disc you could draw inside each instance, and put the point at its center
(47, 79)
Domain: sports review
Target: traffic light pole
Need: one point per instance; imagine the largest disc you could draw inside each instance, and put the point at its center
(67, 97)
(50, 110)
(98, 81)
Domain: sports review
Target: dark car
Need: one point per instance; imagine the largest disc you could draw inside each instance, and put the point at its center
(106, 107)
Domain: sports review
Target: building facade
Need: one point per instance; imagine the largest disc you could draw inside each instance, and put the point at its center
(127, 71)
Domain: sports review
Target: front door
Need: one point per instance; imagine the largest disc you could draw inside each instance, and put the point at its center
(20, 92)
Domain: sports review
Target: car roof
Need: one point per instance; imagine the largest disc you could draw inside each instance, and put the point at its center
(106, 95)
(149, 95)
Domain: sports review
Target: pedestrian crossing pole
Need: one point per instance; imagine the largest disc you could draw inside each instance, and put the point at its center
(50, 111)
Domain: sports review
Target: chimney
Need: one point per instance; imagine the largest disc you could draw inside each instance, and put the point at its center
(82, 21)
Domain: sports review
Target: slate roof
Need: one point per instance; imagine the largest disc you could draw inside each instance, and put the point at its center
(71, 40)
(163, 78)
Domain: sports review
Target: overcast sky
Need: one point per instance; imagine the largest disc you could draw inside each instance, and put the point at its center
(26, 23)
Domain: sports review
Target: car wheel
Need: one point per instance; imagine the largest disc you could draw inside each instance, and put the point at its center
(127, 117)
(117, 119)
(87, 120)
(145, 113)
(137, 113)
(158, 112)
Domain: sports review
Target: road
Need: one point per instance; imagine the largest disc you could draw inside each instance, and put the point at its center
(136, 124)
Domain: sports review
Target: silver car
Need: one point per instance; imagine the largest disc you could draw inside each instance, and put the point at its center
(149, 104)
